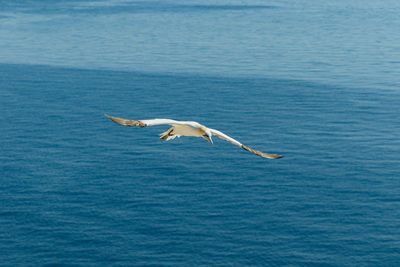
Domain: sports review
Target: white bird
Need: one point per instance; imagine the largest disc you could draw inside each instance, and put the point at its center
(189, 128)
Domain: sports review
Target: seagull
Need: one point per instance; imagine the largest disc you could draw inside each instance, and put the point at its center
(189, 128)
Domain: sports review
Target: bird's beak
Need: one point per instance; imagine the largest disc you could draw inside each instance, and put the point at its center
(208, 138)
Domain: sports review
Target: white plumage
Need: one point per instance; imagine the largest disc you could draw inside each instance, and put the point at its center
(189, 128)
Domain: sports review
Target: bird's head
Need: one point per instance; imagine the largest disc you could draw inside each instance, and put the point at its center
(207, 135)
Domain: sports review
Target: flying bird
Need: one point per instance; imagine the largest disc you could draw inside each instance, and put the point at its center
(189, 128)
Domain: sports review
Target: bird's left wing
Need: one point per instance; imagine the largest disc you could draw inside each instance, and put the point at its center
(235, 142)
(143, 123)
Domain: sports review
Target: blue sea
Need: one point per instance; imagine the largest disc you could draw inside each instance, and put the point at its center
(315, 81)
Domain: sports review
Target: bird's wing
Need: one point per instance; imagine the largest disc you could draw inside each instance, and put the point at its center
(225, 137)
(235, 142)
(145, 123)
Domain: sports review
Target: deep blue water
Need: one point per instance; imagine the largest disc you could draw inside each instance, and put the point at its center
(316, 82)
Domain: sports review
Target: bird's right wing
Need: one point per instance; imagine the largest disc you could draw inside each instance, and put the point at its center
(225, 137)
(144, 123)
(235, 142)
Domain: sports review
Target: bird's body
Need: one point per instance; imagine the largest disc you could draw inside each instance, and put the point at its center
(189, 128)
(185, 130)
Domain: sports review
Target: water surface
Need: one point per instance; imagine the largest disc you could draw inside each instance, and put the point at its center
(315, 82)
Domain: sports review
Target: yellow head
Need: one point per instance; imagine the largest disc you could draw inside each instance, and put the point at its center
(206, 134)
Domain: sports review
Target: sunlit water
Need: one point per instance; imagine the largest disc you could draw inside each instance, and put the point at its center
(316, 82)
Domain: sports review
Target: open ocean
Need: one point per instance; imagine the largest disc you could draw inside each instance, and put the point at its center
(315, 81)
